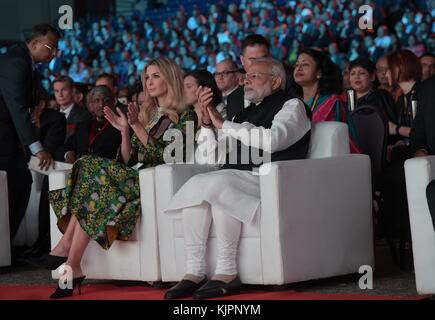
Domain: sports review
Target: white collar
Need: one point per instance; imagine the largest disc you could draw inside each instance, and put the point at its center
(67, 110)
(231, 91)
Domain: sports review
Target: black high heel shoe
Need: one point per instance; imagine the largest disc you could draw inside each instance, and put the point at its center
(65, 293)
(48, 262)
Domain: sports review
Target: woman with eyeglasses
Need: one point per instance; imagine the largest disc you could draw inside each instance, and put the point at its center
(101, 201)
(319, 85)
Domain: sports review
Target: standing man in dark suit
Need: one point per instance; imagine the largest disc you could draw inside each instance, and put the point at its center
(74, 114)
(254, 46)
(17, 96)
(422, 136)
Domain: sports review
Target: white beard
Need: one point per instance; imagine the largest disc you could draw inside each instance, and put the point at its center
(258, 95)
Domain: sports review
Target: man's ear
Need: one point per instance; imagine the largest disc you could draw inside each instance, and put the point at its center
(276, 83)
(242, 60)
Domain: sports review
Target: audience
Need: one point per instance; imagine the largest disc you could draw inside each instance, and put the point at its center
(363, 81)
(199, 81)
(94, 136)
(63, 91)
(319, 86)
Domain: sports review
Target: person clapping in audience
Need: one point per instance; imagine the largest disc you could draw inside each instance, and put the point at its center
(198, 81)
(95, 136)
(101, 201)
(203, 198)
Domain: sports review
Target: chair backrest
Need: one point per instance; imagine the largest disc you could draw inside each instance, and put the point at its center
(372, 130)
(328, 139)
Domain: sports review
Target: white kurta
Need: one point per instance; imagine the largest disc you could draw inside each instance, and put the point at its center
(237, 192)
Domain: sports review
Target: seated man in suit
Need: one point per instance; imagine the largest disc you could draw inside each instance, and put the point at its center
(283, 127)
(63, 91)
(94, 136)
(227, 77)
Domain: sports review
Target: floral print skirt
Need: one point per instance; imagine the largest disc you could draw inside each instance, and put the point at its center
(104, 196)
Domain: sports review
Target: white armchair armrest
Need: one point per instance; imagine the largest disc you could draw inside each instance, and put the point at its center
(419, 172)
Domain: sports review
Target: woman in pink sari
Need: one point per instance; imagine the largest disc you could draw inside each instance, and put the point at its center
(319, 83)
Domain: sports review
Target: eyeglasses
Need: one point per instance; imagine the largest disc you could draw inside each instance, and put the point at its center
(224, 74)
(256, 75)
(53, 50)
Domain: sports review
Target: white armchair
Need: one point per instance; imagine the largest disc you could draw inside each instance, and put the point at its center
(136, 259)
(315, 219)
(419, 172)
(5, 241)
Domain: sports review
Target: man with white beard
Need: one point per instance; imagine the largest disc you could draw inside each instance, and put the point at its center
(273, 124)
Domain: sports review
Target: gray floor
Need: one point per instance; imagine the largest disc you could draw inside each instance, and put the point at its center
(388, 279)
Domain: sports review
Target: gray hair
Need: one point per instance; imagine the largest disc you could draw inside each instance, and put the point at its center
(101, 89)
(276, 68)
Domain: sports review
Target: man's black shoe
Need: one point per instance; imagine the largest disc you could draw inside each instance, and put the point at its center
(216, 288)
(183, 289)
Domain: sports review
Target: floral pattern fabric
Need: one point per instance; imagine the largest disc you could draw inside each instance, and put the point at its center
(104, 194)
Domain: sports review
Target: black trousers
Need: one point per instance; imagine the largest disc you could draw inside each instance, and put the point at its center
(19, 187)
(394, 218)
(430, 195)
(44, 215)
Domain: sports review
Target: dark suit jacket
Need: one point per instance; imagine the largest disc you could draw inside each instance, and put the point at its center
(235, 102)
(77, 115)
(52, 130)
(17, 96)
(105, 145)
(423, 126)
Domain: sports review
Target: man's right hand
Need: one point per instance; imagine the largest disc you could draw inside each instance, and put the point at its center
(45, 160)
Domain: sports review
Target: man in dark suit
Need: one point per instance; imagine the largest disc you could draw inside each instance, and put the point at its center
(94, 136)
(17, 96)
(423, 133)
(254, 46)
(74, 114)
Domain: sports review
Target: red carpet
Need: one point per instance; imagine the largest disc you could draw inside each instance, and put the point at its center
(112, 292)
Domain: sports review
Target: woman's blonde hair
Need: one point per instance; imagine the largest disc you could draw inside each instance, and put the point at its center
(173, 76)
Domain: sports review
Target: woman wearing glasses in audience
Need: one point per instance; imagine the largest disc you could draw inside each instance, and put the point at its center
(101, 201)
(199, 81)
(362, 77)
(319, 84)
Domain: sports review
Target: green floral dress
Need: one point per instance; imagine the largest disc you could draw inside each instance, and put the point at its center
(104, 194)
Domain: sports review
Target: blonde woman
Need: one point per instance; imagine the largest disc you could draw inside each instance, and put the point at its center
(102, 199)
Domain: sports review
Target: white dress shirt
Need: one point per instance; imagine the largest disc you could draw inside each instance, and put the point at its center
(67, 110)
